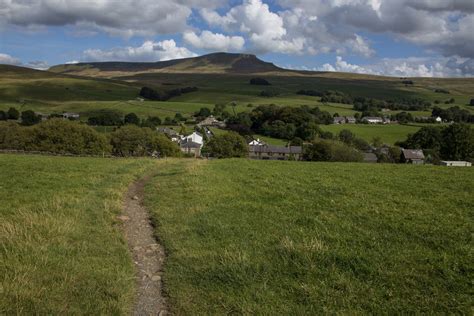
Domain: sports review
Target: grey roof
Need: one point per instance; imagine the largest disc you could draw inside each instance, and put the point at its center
(413, 154)
(189, 144)
(276, 149)
(372, 118)
(370, 157)
(168, 131)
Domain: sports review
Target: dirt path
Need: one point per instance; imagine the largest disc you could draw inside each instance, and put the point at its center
(148, 254)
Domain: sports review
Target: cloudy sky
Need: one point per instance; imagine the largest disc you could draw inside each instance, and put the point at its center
(390, 37)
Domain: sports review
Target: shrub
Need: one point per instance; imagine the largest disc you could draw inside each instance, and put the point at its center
(105, 118)
(13, 136)
(131, 140)
(131, 118)
(29, 118)
(13, 114)
(327, 150)
(227, 146)
(152, 122)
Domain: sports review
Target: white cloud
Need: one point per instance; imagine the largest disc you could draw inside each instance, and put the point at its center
(265, 29)
(407, 67)
(149, 51)
(9, 60)
(214, 41)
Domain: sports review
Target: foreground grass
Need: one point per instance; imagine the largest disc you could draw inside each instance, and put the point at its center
(261, 237)
(62, 250)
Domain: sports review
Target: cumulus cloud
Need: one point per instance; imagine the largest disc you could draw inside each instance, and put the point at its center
(9, 60)
(124, 17)
(149, 51)
(407, 67)
(214, 41)
(264, 28)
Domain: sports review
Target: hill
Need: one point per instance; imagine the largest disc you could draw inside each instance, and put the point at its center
(212, 63)
(19, 84)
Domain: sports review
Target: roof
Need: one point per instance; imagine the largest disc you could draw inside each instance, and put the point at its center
(350, 118)
(372, 118)
(413, 154)
(276, 149)
(189, 144)
(167, 130)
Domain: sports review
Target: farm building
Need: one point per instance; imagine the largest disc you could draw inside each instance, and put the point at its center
(269, 152)
(372, 120)
(187, 146)
(350, 120)
(171, 133)
(413, 156)
(71, 116)
(211, 121)
(257, 142)
(194, 137)
(456, 163)
(339, 120)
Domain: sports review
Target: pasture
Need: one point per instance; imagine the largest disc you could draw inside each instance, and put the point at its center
(62, 248)
(314, 238)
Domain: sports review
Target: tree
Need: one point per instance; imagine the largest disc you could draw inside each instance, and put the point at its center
(131, 140)
(428, 137)
(458, 142)
(151, 122)
(131, 118)
(3, 116)
(203, 113)
(13, 114)
(150, 94)
(105, 118)
(472, 102)
(226, 146)
(29, 118)
(377, 141)
(328, 150)
(346, 136)
(182, 130)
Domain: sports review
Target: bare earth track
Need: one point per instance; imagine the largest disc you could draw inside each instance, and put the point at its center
(148, 254)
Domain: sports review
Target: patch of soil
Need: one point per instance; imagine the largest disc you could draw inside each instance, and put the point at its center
(148, 254)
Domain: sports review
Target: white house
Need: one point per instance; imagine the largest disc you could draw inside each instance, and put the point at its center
(456, 163)
(373, 120)
(257, 142)
(439, 120)
(195, 137)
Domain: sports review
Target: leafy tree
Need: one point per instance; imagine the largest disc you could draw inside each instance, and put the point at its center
(13, 136)
(105, 118)
(29, 118)
(377, 142)
(13, 114)
(178, 117)
(346, 136)
(328, 150)
(458, 142)
(424, 138)
(131, 118)
(131, 140)
(151, 122)
(150, 94)
(203, 113)
(226, 146)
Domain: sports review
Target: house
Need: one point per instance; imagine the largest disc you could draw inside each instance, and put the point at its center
(439, 120)
(189, 147)
(413, 156)
(339, 120)
(211, 121)
(71, 116)
(456, 163)
(270, 152)
(194, 137)
(350, 120)
(171, 133)
(386, 120)
(372, 120)
(257, 142)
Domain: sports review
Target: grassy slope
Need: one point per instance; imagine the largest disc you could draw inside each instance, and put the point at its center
(62, 250)
(314, 238)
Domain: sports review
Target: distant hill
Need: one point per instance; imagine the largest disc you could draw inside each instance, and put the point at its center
(212, 63)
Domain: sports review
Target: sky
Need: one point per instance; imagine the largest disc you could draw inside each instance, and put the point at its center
(409, 38)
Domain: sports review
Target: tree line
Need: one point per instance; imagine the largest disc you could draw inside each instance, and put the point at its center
(152, 94)
(68, 137)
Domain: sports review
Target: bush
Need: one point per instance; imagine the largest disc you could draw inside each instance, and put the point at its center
(13, 114)
(29, 118)
(131, 118)
(55, 136)
(151, 122)
(105, 118)
(226, 146)
(131, 140)
(327, 150)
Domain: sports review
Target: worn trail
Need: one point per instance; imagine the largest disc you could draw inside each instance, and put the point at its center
(148, 254)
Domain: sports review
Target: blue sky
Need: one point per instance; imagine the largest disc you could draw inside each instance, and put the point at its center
(386, 37)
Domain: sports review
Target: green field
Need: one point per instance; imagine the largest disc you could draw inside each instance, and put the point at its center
(62, 250)
(314, 238)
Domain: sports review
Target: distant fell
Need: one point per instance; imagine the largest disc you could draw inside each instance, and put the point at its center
(212, 63)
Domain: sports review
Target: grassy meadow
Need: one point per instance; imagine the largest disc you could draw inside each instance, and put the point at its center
(314, 238)
(62, 248)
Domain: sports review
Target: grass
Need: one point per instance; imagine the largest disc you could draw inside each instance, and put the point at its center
(62, 250)
(314, 238)
(389, 133)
